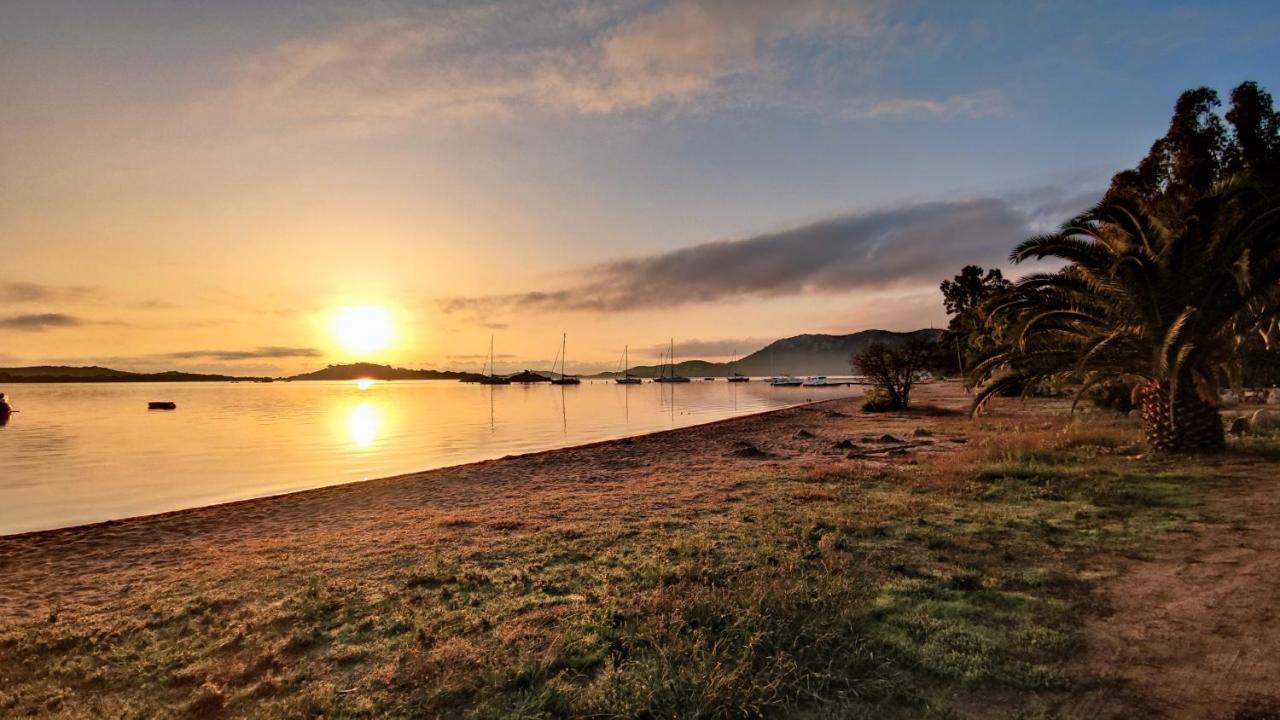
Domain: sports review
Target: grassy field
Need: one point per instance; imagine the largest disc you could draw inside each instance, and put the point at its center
(950, 586)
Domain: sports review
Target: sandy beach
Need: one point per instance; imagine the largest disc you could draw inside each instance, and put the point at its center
(681, 474)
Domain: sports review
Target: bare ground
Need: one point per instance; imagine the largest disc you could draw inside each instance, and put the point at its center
(1197, 628)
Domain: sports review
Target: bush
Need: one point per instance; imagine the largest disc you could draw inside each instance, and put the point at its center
(1116, 395)
(879, 401)
(893, 371)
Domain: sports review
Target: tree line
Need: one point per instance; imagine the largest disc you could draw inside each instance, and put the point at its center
(1169, 288)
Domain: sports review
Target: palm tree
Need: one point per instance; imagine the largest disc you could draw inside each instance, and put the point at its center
(1162, 311)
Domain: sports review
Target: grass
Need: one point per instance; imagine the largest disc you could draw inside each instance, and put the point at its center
(950, 588)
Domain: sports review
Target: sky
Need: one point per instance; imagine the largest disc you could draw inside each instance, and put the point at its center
(205, 186)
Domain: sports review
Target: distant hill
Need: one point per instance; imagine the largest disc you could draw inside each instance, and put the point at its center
(62, 374)
(370, 371)
(798, 355)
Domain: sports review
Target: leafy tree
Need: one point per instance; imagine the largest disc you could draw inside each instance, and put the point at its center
(966, 297)
(965, 293)
(1199, 150)
(1256, 148)
(892, 370)
(1139, 302)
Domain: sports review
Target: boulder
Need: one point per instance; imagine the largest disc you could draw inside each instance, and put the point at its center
(1239, 426)
(1264, 421)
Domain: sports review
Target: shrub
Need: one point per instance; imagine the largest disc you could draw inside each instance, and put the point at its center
(1116, 395)
(893, 371)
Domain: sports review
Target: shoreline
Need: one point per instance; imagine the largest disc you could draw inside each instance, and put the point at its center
(485, 503)
(226, 505)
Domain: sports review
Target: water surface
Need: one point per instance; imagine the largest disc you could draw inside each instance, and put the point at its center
(80, 453)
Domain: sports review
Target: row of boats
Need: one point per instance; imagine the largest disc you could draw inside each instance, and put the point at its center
(667, 374)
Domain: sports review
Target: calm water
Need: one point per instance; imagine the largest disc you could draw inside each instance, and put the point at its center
(84, 453)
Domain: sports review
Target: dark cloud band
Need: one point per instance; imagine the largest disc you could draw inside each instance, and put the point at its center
(911, 244)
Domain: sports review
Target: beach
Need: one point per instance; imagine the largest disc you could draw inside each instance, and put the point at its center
(729, 565)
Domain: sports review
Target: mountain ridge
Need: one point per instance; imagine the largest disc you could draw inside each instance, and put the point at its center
(804, 354)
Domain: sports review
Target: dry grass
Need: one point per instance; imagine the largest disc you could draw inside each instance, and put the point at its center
(940, 586)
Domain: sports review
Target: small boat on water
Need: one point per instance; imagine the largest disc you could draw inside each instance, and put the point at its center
(786, 381)
(490, 378)
(815, 381)
(627, 378)
(672, 377)
(562, 379)
(162, 405)
(736, 377)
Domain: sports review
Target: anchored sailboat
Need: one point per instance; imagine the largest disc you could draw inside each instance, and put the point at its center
(733, 376)
(627, 378)
(672, 377)
(563, 379)
(490, 378)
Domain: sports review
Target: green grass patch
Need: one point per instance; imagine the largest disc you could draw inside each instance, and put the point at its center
(825, 593)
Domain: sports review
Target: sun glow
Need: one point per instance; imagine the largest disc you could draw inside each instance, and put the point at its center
(363, 330)
(362, 426)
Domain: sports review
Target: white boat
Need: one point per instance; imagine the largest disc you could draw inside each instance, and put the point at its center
(786, 381)
(815, 381)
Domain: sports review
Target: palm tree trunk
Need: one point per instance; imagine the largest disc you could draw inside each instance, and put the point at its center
(1194, 426)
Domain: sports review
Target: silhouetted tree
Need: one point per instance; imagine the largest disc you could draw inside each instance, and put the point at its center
(892, 370)
(1165, 310)
(1255, 149)
(966, 297)
(1200, 150)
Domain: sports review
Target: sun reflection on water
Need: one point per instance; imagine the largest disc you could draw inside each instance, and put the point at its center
(364, 383)
(362, 426)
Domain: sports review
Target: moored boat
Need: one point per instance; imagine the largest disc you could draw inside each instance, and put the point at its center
(672, 377)
(562, 379)
(490, 378)
(627, 378)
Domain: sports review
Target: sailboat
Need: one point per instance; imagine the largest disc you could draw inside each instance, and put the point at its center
(627, 378)
(733, 376)
(490, 378)
(673, 377)
(782, 380)
(563, 379)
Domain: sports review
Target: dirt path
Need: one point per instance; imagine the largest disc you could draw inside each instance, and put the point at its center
(1197, 628)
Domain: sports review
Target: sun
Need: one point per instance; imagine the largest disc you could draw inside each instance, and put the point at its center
(363, 330)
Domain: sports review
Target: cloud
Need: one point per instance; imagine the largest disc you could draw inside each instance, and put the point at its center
(40, 321)
(493, 60)
(913, 244)
(156, 304)
(30, 292)
(469, 358)
(711, 348)
(986, 103)
(232, 355)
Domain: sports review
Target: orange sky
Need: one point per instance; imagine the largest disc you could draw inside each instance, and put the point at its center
(203, 185)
